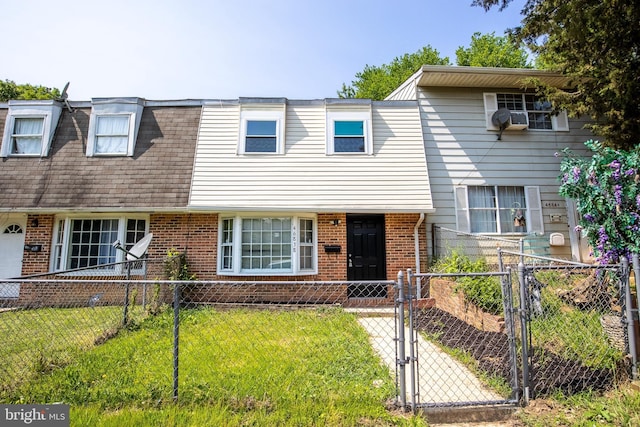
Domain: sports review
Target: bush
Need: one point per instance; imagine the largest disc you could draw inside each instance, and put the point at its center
(485, 292)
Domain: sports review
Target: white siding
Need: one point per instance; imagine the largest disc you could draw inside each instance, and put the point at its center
(304, 178)
(461, 151)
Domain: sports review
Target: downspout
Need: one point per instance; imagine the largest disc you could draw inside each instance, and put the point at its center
(416, 240)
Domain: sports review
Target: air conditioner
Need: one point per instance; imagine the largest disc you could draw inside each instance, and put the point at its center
(518, 120)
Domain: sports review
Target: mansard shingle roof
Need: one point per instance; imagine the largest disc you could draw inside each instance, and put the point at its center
(156, 177)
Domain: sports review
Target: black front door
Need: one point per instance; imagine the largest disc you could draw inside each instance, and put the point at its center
(366, 255)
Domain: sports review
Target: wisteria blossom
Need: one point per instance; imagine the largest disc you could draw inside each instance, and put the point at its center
(606, 188)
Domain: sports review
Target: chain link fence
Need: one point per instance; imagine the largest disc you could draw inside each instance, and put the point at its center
(87, 338)
(577, 326)
(138, 339)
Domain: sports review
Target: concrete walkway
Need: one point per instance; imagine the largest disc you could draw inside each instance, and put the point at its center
(441, 379)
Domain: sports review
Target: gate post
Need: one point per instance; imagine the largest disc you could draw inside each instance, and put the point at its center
(523, 332)
(631, 336)
(400, 354)
(412, 338)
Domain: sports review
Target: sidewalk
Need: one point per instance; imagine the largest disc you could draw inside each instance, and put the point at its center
(441, 378)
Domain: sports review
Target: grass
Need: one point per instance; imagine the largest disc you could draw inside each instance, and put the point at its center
(569, 332)
(37, 341)
(617, 408)
(237, 367)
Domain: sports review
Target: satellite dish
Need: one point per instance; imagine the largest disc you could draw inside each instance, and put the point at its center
(501, 118)
(140, 248)
(64, 96)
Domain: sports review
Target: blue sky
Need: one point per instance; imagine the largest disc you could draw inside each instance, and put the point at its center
(161, 49)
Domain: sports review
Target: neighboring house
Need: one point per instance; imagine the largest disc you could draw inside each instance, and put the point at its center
(76, 180)
(491, 181)
(251, 189)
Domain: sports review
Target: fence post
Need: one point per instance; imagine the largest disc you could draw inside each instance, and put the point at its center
(636, 277)
(401, 358)
(523, 332)
(626, 285)
(125, 313)
(176, 340)
(412, 339)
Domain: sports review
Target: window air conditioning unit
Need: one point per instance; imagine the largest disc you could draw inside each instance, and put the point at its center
(518, 120)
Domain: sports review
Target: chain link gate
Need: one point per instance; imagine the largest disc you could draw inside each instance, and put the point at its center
(444, 361)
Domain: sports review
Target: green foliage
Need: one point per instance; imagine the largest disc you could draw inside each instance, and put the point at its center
(377, 82)
(10, 90)
(176, 266)
(606, 187)
(596, 43)
(237, 367)
(489, 50)
(483, 291)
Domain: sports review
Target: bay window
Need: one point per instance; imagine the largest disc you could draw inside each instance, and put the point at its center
(267, 245)
(88, 242)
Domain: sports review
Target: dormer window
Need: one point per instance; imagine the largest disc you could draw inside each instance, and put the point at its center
(349, 130)
(113, 126)
(29, 128)
(27, 135)
(261, 126)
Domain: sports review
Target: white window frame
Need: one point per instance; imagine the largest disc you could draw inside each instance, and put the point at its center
(234, 268)
(131, 107)
(61, 243)
(559, 122)
(349, 116)
(533, 217)
(277, 116)
(48, 111)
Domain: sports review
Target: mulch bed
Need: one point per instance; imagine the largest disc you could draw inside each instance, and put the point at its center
(548, 371)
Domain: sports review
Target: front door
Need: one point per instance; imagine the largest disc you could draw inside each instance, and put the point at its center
(11, 252)
(366, 255)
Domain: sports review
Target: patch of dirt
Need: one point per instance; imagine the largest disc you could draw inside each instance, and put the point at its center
(548, 371)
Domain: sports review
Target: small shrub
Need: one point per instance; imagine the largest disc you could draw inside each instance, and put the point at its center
(176, 266)
(485, 292)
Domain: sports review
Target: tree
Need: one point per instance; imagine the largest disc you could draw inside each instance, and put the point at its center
(596, 43)
(489, 50)
(11, 90)
(606, 188)
(376, 82)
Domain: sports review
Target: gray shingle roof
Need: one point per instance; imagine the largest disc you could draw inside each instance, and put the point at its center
(156, 177)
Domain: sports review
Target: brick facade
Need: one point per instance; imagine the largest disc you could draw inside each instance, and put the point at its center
(196, 235)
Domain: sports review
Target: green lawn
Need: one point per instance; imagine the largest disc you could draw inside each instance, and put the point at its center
(237, 367)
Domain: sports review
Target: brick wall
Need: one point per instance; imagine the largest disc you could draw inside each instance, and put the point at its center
(40, 234)
(196, 235)
(442, 291)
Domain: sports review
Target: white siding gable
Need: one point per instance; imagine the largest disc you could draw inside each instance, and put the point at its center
(304, 178)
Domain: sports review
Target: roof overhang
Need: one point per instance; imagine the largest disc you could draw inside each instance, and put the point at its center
(485, 77)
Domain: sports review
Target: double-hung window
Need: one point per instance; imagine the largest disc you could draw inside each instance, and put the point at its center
(113, 126)
(89, 242)
(112, 134)
(29, 128)
(261, 137)
(527, 111)
(262, 129)
(267, 245)
(349, 132)
(498, 209)
(27, 135)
